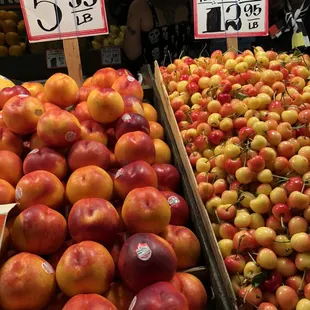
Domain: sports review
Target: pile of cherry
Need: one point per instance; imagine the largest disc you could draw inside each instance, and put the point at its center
(244, 119)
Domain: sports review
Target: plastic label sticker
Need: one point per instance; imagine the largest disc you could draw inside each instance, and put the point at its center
(130, 78)
(34, 151)
(18, 193)
(126, 117)
(133, 303)
(22, 95)
(143, 251)
(118, 173)
(172, 200)
(48, 268)
(70, 136)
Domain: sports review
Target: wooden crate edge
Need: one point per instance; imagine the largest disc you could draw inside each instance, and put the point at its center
(190, 174)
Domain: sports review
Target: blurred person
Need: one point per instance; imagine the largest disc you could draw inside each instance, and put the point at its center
(286, 18)
(157, 30)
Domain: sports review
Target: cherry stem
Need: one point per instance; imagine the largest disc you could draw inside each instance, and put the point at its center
(280, 177)
(205, 46)
(170, 57)
(282, 223)
(217, 217)
(300, 290)
(303, 187)
(246, 294)
(239, 244)
(252, 258)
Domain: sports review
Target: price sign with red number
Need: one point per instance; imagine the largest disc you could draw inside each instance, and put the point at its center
(230, 18)
(48, 20)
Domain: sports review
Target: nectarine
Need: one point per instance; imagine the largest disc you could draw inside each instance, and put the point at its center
(182, 239)
(27, 281)
(134, 175)
(193, 290)
(104, 78)
(162, 152)
(89, 302)
(128, 86)
(85, 268)
(61, 90)
(7, 192)
(94, 219)
(149, 112)
(58, 128)
(141, 261)
(105, 105)
(159, 296)
(179, 208)
(81, 112)
(10, 141)
(89, 182)
(91, 130)
(39, 230)
(120, 295)
(85, 153)
(146, 210)
(21, 114)
(10, 167)
(133, 146)
(46, 159)
(39, 187)
(33, 87)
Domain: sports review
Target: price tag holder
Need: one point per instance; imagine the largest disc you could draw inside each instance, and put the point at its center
(215, 19)
(55, 59)
(48, 20)
(111, 56)
(4, 211)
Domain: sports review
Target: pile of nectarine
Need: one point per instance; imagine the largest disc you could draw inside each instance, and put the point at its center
(99, 221)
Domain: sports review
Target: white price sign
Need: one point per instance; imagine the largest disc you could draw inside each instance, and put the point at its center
(230, 18)
(55, 59)
(48, 20)
(111, 56)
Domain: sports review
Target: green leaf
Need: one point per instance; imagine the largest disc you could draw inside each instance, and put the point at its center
(240, 96)
(259, 279)
(297, 53)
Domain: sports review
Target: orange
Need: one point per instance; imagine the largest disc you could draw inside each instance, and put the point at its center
(2, 38)
(15, 50)
(9, 26)
(12, 38)
(4, 51)
(12, 16)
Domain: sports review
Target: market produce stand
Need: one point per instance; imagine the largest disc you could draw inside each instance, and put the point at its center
(219, 278)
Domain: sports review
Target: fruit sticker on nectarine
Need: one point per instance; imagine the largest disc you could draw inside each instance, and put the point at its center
(143, 251)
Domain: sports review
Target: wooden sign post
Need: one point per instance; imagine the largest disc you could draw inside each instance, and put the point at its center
(214, 19)
(65, 20)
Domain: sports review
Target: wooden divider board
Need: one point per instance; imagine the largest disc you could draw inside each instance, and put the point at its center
(225, 279)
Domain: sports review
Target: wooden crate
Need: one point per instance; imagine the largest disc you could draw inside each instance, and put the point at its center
(221, 285)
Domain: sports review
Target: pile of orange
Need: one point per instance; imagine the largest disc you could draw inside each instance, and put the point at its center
(12, 31)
